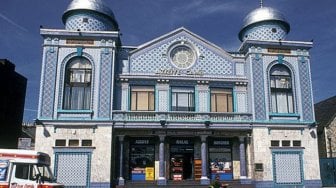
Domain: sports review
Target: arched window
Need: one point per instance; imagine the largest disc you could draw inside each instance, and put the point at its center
(281, 90)
(77, 86)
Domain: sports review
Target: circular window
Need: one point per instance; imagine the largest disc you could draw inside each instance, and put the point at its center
(182, 56)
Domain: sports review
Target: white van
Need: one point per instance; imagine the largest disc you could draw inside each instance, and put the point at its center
(26, 169)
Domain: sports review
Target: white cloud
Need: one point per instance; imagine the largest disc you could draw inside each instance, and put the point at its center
(13, 23)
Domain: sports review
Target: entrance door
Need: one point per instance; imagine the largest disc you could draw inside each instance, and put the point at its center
(181, 162)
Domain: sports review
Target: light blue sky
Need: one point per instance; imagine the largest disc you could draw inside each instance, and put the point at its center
(218, 21)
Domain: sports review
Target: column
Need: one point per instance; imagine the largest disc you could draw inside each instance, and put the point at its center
(121, 180)
(162, 178)
(242, 157)
(204, 153)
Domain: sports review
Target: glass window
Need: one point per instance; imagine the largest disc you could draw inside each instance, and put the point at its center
(286, 143)
(275, 143)
(183, 99)
(25, 171)
(281, 90)
(142, 98)
(221, 100)
(45, 173)
(60, 142)
(86, 142)
(73, 142)
(77, 89)
(141, 157)
(296, 143)
(22, 171)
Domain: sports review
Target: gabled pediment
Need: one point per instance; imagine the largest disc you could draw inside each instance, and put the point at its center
(182, 31)
(183, 52)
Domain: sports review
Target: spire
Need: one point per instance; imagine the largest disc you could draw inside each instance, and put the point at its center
(261, 3)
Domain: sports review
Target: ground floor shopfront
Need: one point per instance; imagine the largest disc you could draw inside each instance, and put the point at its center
(181, 155)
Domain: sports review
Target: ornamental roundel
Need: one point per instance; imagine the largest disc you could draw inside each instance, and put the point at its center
(182, 56)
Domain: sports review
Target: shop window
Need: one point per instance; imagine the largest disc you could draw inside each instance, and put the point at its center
(86, 143)
(77, 86)
(275, 143)
(183, 99)
(285, 143)
(73, 143)
(281, 90)
(220, 158)
(142, 98)
(60, 142)
(141, 159)
(182, 161)
(221, 100)
(296, 143)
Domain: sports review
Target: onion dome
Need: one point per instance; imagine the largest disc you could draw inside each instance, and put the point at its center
(264, 23)
(89, 15)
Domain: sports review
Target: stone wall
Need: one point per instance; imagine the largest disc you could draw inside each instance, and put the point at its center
(101, 137)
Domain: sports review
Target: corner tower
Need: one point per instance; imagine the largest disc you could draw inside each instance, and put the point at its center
(264, 23)
(76, 94)
(89, 15)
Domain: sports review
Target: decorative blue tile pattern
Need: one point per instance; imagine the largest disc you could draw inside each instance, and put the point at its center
(163, 100)
(89, 22)
(154, 58)
(258, 88)
(265, 31)
(73, 168)
(48, 89)
(306, 95)
(105, 85)
(287, 167)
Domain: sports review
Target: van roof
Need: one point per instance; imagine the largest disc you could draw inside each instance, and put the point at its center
(28, 156)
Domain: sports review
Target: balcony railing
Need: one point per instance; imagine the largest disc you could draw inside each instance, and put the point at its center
(180, 116)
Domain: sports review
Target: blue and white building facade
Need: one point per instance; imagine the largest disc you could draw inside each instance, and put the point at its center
(178, 107)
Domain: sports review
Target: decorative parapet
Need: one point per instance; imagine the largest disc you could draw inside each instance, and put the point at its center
(180, 116)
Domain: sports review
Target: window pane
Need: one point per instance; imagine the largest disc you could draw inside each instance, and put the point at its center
(142, 101)
(275, 143)
(133, 101)
(151, 101)
(290, 103)
(73, 142)
(213, 103)
(274, 102)
(221, 100)
(221, 103)
(230, 103)
(297, 143)
(22, 171)
(142, 98)
(282, 102)
(86, 142)
(183, 99)
(285, 143)
(60, 142)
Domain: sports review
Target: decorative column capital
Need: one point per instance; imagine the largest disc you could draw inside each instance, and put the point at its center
(121, 138)
(242, 139)
(204, 138)
(162, 138)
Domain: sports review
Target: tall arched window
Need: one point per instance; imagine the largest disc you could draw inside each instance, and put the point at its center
(77, 86)
(281, 90)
